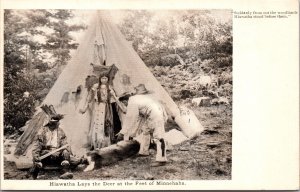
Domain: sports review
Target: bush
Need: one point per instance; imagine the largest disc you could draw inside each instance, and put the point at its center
(225, 77)
(220, 62)
(169, 61)
(17, 113)
(185, 93)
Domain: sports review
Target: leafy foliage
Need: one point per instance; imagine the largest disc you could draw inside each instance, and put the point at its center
(60, 42)
(181, 46)
(27, 67)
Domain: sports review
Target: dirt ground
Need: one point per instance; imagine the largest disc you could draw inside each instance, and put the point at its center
(207, 157)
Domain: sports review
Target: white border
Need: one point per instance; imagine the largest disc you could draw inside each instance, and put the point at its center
(265, 92)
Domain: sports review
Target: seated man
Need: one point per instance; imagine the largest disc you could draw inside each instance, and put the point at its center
(50, 138)
(144, 120)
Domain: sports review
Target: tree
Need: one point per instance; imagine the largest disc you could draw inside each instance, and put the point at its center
(60, 42)
(197, 36)
(24, 60)
(136, 26)
(15, 78)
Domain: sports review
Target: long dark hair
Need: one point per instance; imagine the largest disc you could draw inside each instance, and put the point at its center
(107, 85)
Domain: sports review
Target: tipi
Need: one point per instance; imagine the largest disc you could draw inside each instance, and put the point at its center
(102, 41)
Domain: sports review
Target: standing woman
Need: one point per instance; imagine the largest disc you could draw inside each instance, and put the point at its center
(101, 133)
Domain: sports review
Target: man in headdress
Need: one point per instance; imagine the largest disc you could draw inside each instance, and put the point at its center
(144, 120)
(48, 139)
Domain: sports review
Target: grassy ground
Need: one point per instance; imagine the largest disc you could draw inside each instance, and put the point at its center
(208, 157)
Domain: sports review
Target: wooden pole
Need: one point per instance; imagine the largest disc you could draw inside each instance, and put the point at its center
(52, 152)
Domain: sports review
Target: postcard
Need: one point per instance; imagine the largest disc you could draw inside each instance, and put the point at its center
(139, 95)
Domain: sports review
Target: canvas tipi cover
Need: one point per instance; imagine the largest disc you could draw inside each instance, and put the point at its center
(103, 41)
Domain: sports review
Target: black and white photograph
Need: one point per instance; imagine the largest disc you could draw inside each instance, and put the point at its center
(117, 94)
(149, 95)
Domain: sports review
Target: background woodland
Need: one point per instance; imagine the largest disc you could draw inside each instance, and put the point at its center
(179, 49)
